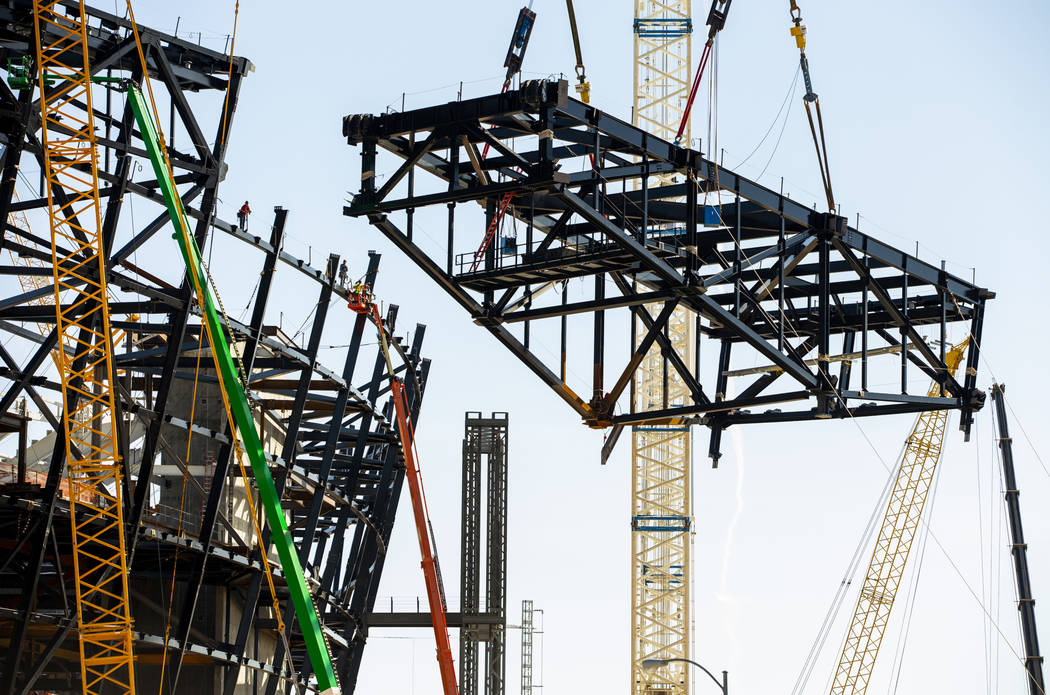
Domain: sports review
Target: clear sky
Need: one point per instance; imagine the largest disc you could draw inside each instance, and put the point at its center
(936, 116)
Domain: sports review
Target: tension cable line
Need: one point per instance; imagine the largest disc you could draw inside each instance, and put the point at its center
(716, 21)
(817, 130)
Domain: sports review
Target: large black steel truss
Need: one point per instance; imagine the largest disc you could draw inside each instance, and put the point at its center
(650, 227)
(334, 452)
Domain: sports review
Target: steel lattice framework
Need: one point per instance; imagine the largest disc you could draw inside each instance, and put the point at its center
(527, 635)
(484, 449)
(772, 281)
(328, 432)
(661, 465)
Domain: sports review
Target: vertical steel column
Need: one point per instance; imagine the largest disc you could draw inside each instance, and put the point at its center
(1033, 662)
(598, 372)
(470, 555)
(824, 403)
(496, 575)
(484, 437)
(526, 647)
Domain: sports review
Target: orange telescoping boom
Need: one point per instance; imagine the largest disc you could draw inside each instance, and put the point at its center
(361, 302)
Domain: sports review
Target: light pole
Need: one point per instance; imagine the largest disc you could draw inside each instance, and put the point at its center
(651, 664)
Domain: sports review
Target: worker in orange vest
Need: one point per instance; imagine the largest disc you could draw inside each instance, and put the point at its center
(242, 216)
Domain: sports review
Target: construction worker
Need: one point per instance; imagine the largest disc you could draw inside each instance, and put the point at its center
(242, 216)
(344, 273)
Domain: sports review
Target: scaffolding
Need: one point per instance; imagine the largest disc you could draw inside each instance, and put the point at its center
(527, 633)
(484, 453)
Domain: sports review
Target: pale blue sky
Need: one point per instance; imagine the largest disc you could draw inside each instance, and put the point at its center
(936, 116)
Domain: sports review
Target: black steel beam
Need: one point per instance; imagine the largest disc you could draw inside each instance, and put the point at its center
(1033, 661)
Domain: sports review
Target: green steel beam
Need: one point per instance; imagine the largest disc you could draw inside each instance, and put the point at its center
(316, 646)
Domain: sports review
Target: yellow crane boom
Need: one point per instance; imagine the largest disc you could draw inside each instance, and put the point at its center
(899, 526)
(85, 356)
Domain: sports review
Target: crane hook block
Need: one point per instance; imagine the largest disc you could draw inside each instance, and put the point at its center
(716, 18)
(799, 32)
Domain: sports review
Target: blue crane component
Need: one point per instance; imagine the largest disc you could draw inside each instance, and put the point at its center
(519, 41)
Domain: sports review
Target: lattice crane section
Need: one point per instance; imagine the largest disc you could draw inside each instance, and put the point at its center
(660, 472)
(86, 362)
(899, 526)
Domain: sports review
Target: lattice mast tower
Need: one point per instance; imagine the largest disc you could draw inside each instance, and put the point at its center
(85, 352)
(661, 505)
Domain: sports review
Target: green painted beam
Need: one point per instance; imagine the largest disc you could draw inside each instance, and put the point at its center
(316, 646)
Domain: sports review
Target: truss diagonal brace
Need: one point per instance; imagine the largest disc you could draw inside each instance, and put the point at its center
(655, 328)
(390, 230)
(695, 389)
(943, 377)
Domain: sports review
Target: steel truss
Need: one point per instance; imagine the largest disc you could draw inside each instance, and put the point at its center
(333, 448)
(484, 438)
(769, 278)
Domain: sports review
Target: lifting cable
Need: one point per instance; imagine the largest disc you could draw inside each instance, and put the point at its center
(819, 142)
(229, 74)
(716, 20)
(583, 87)
(519, 42)
(198, 287)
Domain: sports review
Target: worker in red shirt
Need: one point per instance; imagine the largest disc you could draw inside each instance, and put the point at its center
(242, 216)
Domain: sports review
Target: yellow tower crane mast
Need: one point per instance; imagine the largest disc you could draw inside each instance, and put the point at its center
(661, 503)
(899, 527)
(85, 357)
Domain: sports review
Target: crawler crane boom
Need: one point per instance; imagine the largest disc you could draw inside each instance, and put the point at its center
(899, 527)
(85, 350)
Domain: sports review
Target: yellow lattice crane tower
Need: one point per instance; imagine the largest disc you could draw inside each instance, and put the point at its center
(661, 506)
(86, 360)
(899, 527)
